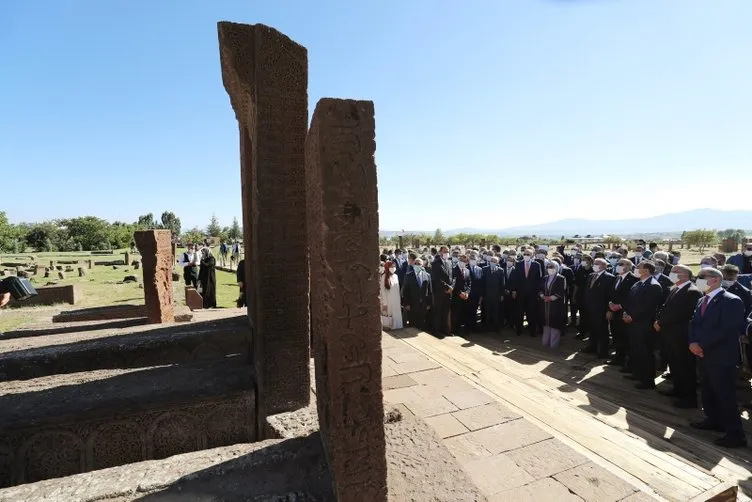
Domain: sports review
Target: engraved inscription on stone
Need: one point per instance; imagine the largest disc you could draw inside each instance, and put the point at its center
(346, 328)
(266, 76)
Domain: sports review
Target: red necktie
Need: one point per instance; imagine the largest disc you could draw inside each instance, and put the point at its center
(704, 305)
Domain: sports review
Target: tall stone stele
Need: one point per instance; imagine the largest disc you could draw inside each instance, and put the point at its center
(156, 257)
(266, 76)
(346, 320)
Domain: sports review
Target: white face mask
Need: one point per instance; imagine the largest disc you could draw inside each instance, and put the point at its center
(748, 252)
(620, 269)
(702, 285)
(551, 271)
(455, 259)
(658, 270)
(727, 284)
(510, 264)
(504, 255)
(540, 256)
(473, 263)
(597, 268)
(674, 277)
(705, 265)
(527, 258)
(444, 256)
(613, 261)
(392, 269)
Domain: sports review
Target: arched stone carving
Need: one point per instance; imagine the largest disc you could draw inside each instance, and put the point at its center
(227, 425)
(170, 434)
(51, 454)
(116, 443)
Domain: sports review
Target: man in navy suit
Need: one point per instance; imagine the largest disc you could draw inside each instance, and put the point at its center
(493, 294)
(528, 275)
(644, 299)
(714, 340)
(597, 294)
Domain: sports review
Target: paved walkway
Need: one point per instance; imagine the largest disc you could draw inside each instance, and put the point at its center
(507, 456)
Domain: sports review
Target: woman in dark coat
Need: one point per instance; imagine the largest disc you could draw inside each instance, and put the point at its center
(552, 296)
(207, 277)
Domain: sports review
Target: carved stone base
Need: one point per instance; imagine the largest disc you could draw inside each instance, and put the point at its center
(67, 426)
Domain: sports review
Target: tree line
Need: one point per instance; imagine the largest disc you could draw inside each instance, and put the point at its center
(90, 233)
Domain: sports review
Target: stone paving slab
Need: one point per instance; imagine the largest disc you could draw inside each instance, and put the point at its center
(446, 425)
(594, 483)
(484, 416)
(546, 458)
(509, 436)
(537, 491)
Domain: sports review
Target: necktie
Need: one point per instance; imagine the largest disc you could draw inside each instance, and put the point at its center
(527, 268)
(704, 305)
(419, 278)
(618, 281)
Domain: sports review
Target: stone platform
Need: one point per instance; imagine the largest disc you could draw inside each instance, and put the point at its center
(93, 347)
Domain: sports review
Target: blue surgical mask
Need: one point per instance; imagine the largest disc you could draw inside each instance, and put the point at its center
(417, 268)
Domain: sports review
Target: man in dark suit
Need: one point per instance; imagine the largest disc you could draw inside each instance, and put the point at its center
(714, 340)
(583, 266)
(509, 305)
(406, 267)
(597, 293)
(528, 275)
(623, 283)
(638, 255)
(645, 298)
(441, 283)
(731, 284)
(672, 326)
(417, 295)
(476, 292)
(568, 274)
(460, 295)
(494, 279)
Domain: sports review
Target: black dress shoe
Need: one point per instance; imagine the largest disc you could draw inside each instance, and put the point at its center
(668, 393)
(728, 442)
(630, 377)
(684, 404)
(644, 386)
(706, 425)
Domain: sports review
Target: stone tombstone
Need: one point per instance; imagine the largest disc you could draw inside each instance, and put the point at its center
(61, 275)
(345, 311)
(52, 263)
(91, 264)
(266, 77)
(154, 246)
(127, 258)
(81, 272)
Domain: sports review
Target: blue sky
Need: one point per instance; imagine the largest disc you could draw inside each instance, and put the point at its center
(488, 113)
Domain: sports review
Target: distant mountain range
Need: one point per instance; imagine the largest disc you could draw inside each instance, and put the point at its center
(668, 224)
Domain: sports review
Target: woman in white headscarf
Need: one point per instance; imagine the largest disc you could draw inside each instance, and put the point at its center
(391, 301)
(553, 308)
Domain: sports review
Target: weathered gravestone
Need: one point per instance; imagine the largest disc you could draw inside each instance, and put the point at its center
(345, 312)
(266, 77)
(81, 272)
(154, 246)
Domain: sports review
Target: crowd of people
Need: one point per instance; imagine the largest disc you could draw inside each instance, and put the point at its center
(643, 311)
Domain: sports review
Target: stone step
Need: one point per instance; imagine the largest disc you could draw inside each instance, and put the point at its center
(123, 348)
(79, 422)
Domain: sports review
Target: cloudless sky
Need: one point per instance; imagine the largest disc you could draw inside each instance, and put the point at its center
(489, 113)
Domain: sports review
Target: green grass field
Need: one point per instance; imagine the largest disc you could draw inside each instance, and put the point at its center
(100, 286)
